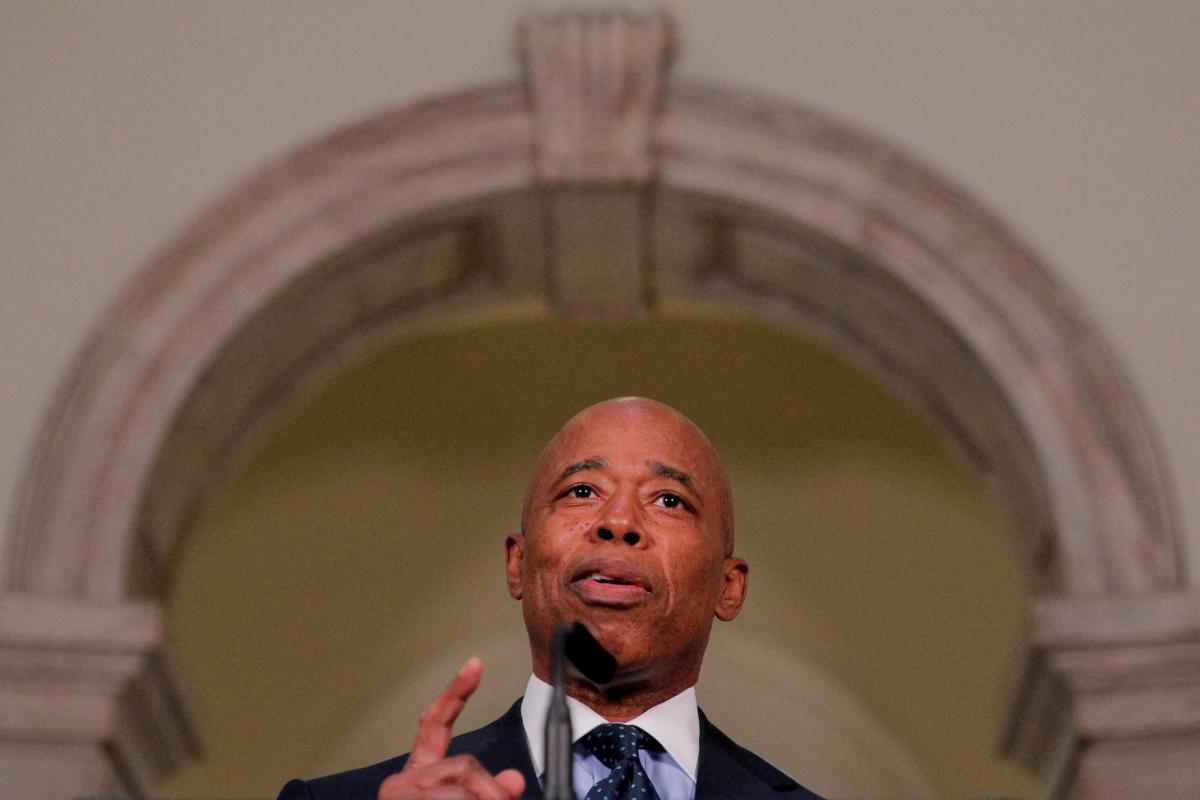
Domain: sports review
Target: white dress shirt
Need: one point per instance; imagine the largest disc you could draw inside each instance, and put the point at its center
(675, 723)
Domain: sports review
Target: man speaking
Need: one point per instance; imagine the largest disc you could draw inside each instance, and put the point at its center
(628, 529)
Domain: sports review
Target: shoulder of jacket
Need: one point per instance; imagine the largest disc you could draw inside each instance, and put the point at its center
(757, 766)
(355, 784)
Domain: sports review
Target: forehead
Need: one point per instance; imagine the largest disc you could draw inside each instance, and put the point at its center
(632, 437)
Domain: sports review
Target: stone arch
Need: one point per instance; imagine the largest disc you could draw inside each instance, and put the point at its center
(596, 188)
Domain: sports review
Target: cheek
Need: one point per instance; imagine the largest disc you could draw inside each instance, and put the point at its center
(575, 528)
(696, 581)
(558, 539)
(553, 548)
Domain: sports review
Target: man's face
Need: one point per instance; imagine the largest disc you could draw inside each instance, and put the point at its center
(624, 531)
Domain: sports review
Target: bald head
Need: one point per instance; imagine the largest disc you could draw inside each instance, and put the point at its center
(664, 430)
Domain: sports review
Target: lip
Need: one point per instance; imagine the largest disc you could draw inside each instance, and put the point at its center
(635, 589)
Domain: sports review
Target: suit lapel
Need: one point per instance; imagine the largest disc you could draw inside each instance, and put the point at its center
(729, 772)
(720, 777)
(506, 747)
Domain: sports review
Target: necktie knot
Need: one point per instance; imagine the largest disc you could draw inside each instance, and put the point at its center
(613, 743)
(617, 747)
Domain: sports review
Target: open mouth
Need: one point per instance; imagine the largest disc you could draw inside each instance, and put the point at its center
(600, 577)
(610, 582)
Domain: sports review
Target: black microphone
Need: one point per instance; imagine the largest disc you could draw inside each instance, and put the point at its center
(558, 724)
(574, 643)
(589, 656)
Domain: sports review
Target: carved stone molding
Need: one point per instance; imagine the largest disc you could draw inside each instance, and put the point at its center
(1111, 683)
(918, 259)
(82, 680)
(595, 85)
(595, 188)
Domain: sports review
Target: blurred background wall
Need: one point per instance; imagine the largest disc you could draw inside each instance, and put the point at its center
(1076, 123)
(357, 560)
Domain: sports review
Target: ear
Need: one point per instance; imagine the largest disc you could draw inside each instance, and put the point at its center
(733, 591)
(514, 554)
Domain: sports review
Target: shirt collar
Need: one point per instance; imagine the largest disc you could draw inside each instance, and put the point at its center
(675, 723)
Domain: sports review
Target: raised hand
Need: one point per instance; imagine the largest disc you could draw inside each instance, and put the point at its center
(429, 774)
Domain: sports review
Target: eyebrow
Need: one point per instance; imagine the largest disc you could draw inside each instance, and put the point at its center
(667, 471)
(595, 462)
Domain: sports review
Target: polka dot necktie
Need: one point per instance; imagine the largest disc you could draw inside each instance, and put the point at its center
(617, 747)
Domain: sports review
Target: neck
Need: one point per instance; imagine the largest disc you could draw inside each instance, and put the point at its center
(621, 704)
(627, 697)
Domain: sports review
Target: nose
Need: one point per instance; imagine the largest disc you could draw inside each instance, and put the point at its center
(628, 537)
(619, 520)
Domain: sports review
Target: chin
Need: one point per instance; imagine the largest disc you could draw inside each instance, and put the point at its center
(625, 642)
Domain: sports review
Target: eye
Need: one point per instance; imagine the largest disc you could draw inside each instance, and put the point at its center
(672, 501)
(580, 491)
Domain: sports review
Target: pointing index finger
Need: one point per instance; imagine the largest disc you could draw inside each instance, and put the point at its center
(437, 720)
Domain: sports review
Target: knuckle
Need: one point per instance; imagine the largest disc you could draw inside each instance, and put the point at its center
(464, 763)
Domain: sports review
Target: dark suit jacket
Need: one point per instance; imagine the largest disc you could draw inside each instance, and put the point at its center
(725, 771)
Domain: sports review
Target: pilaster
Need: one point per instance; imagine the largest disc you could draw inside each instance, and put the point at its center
(86, 701)
(1108, 705)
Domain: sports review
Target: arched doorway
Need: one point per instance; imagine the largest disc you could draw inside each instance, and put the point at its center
(651, 196)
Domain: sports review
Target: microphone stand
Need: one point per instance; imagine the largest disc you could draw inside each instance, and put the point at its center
(575, 643)
(559, 762)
